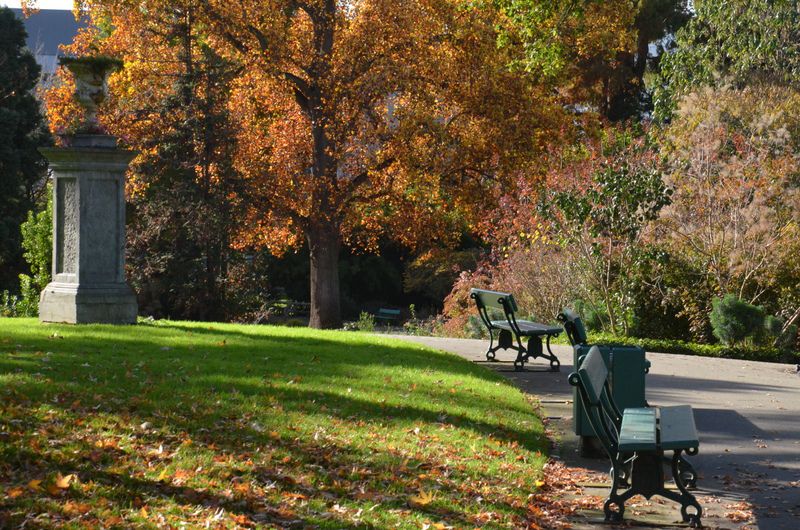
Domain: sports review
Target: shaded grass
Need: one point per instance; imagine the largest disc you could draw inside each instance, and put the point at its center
(175, 423)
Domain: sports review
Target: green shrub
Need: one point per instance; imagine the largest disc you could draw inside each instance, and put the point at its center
(475, 328)
(733, 320)
(787, 341)
(593, 318)
(366, 322)
(37, 240)
(773, 326)
(744, 352)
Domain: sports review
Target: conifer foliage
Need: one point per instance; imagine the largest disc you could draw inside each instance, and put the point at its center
(21, 166)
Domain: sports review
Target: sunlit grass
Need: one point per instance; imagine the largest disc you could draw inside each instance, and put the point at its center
(172, 423)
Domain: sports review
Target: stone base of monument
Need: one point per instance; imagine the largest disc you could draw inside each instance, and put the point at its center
(73, 304)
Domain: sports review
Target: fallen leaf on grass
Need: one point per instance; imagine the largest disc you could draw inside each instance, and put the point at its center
(13, 493)
(422, 499)
(76, 508)
(63, 482)
(35, 485)
(242, 520)
(108, 443)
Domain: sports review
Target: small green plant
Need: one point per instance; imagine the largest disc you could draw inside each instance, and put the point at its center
(733, 320)
(8, 304)
(412, 325)
(37, 240)
(787, 341)
(475, 328)
(366, 322)
(773, 326)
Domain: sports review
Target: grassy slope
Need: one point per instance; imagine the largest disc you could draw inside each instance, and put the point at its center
(170, 423)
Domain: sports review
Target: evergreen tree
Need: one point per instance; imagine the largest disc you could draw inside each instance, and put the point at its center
(22, 168)
(182, 210)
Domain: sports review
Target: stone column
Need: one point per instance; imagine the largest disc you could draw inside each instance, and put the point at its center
(88, 235)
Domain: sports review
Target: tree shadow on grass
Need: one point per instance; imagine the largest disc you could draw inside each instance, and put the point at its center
(137, 492)
(333, 483)
(196, 391)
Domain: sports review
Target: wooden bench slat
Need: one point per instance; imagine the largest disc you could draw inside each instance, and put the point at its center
(528, 328)
(678, 430)
(638, 431)
(494, 299)
(593, 373)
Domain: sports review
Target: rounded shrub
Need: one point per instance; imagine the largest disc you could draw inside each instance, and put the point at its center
(475, 328)
(733, 319)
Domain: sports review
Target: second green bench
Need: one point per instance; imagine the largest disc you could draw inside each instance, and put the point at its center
(636, 440)
(510, 330)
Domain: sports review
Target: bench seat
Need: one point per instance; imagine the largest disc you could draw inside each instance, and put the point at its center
(389, 315)
(528, 328)
(678, 430)
(641, 427)
(639, 430)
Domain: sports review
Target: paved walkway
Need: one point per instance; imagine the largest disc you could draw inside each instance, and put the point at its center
(748, 415)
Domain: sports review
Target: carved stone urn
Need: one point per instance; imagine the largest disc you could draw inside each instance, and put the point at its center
(88, 214)
(91, 85)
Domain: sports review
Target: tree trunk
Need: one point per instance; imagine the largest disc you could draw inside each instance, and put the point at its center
(323, 246)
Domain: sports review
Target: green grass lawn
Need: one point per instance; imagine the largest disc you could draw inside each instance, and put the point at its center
(183, 425)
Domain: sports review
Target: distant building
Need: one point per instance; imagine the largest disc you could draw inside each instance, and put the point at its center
(47, 30)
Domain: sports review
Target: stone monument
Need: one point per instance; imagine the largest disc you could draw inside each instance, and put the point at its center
(88, 214)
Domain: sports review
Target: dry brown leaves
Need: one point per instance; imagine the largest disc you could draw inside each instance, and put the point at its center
(560, 496)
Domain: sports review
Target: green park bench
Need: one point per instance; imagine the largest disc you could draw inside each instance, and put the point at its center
(636, 440)
(510, 329)
(573, 326)
(387, 316)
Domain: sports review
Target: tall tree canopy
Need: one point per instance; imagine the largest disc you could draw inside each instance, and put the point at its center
(736, 42)
(376, 118)
(21, 166)
(602, 50)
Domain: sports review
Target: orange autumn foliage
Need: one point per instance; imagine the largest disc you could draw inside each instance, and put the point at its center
(360, 120)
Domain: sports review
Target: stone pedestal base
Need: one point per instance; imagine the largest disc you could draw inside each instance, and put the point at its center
(73, 304)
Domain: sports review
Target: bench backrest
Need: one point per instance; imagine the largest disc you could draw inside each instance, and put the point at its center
(496, 299)
(573, 325)
(591, 378)
(594, 374)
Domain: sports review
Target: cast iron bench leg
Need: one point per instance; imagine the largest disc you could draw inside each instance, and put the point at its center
(535, 349)
(686, 472)
(685, 498)
(522, 353)
(555, 364)
(614, 498)
(490, 352)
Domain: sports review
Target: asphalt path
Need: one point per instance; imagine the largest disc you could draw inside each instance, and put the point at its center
(747, 414)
